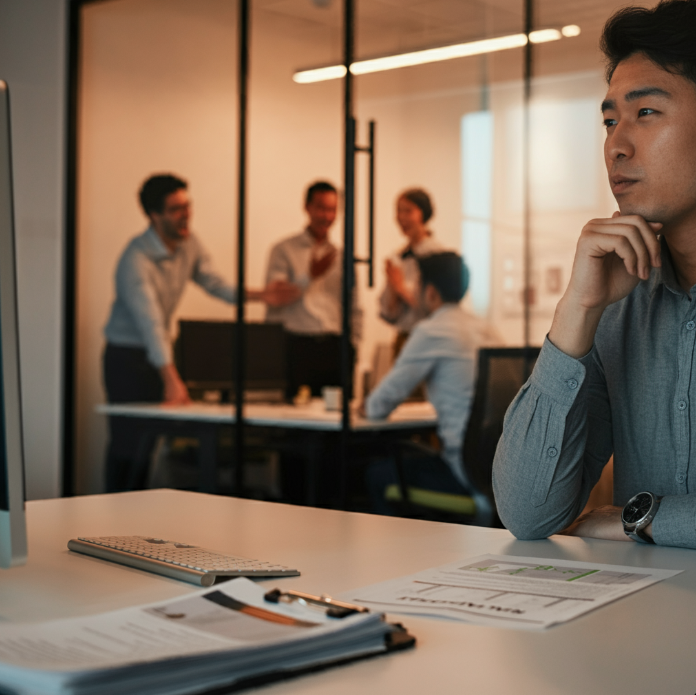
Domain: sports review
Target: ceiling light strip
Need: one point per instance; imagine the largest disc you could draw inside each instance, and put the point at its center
(433, 55)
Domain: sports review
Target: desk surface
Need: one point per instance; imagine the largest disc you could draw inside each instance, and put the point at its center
(312, 416)
(338, 551)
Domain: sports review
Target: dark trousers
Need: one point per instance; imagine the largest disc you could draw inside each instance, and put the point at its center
(314, 361)
(423, 471)
(129, 378)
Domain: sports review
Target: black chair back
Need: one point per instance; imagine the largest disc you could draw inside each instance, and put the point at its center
(501, 374)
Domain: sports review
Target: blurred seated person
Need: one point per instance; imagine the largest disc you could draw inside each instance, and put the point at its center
(151, 276)
(313, 317)
(442, 351)
(399, 303)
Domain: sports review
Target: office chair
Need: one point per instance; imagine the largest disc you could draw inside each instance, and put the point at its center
(501, 374)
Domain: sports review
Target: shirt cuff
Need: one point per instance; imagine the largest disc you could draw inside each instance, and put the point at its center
(160, 355)
(675, 522)
(374, 409)
(558, 375)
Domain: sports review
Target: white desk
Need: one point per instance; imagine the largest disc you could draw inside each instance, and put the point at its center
(313, 416)
(641, 645)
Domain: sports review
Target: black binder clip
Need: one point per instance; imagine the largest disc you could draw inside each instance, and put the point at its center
(334, 608)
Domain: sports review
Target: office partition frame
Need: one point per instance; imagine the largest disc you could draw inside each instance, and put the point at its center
(348, 284)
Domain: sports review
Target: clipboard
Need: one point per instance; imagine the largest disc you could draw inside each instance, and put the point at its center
(398, 639)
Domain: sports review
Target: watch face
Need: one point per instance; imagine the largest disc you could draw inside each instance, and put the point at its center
(637, 508)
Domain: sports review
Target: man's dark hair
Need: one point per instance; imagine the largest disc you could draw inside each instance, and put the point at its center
(319, 187)
(421, 200)
(665, 33)
(447, 273)
(156, 189)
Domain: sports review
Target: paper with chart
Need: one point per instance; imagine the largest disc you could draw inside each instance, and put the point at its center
(508, 591)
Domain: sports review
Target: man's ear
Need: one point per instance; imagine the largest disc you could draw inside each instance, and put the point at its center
(431, 296)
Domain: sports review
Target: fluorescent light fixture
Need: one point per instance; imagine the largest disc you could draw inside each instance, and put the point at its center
(571, 30)
(544, 35)
(333, 72)
(433, 55)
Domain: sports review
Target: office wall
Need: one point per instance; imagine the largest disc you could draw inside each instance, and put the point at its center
(32, 61)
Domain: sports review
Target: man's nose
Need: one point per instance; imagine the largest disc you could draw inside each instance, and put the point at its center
(619, 143)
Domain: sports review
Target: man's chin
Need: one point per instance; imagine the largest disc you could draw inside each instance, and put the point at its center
(644, 211)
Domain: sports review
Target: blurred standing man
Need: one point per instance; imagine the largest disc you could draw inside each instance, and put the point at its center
(616, 374)
(313, 319)
(150, 278)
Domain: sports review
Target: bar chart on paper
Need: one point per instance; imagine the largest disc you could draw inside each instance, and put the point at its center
(507, 591)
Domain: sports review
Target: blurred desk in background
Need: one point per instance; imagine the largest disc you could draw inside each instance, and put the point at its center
(317, 425)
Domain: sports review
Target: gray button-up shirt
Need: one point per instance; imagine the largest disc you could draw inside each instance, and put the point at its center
(150, 280)
(632, 396)
(443, 351)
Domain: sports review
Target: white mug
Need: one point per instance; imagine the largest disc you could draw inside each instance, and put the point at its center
(333, 397)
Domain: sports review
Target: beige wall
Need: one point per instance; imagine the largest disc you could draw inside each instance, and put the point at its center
(32, 62)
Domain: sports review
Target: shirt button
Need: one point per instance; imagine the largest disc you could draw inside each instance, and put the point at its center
(552, 451)
(572, 384)
(680, 478)
(690, 326)
(681, 405)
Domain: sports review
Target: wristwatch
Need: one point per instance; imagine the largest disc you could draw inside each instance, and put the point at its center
(638, 513)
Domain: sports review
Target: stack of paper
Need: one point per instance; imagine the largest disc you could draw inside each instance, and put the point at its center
(212, 638)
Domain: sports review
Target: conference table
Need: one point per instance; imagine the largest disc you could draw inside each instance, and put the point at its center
(311, 424)
(642, 644)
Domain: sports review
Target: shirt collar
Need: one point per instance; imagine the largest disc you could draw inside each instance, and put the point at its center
(156, 247)
(308, 240)
(445, 308)
(666, 275)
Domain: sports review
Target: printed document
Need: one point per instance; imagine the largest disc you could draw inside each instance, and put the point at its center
(207, 639)
(507, 591)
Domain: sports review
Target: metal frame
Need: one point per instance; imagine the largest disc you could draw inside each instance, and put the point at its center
(244, 27)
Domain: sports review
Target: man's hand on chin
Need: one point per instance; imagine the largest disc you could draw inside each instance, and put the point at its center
(602, 522)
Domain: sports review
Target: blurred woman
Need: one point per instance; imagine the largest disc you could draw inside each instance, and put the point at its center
(399, 301)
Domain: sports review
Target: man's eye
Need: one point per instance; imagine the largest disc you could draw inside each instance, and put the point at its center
(645, 112)
(609, 122)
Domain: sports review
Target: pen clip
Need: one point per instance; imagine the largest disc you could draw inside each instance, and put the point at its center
(334, 608)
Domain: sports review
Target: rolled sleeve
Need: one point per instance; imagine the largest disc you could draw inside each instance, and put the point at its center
(542, 474)
(280, 268)
(209, 280)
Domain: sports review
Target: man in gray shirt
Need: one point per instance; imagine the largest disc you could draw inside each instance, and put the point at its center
(442, 351)
(150, 278)
(616, 373)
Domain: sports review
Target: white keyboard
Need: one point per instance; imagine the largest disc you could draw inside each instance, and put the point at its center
(178, 560)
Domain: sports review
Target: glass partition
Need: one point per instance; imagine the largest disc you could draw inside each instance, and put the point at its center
(453, 128)
(512, 181)
(158, 93)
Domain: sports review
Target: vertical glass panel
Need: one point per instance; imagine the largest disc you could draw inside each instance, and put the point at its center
(157, 94)
(295, 127)
(451, 127)
(568, 181)
(295, 140)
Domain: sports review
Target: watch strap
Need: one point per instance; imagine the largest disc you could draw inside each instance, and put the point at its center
(641, 536)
